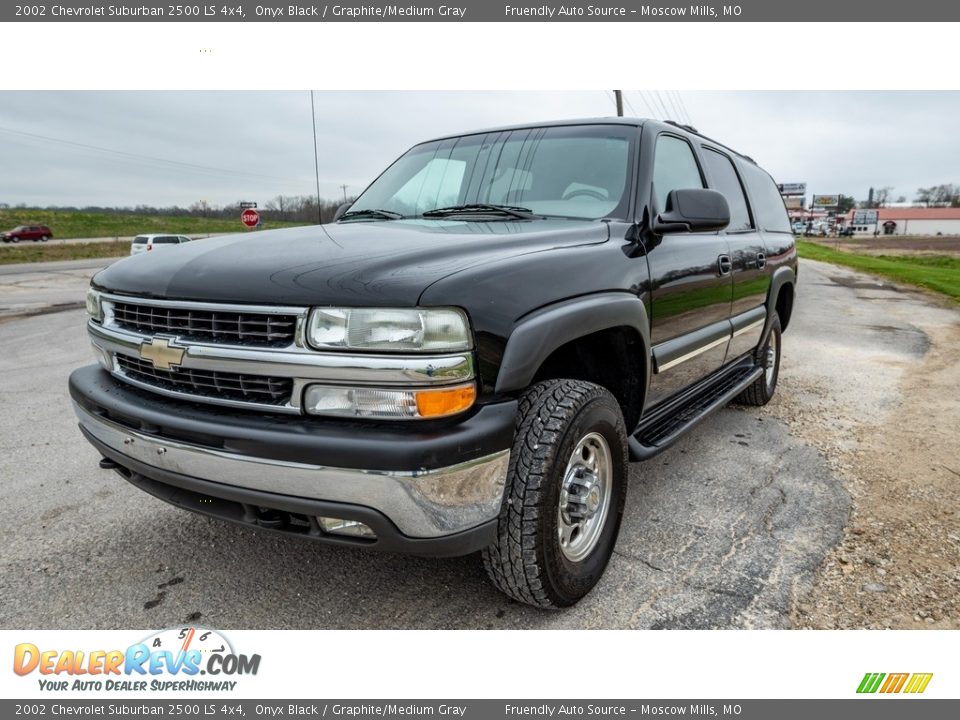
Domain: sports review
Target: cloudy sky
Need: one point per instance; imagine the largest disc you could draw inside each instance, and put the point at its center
(163, 148)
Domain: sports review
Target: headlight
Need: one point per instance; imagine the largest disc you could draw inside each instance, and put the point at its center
(94, 308)
(398, 330)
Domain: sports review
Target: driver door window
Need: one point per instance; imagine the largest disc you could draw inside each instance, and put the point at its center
(674, 168)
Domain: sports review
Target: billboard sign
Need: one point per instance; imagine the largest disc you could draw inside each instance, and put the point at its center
(792, 188)
(865, 217)
(793, 202)
(826, 201)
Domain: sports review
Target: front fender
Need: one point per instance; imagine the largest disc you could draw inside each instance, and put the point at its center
(538, 334)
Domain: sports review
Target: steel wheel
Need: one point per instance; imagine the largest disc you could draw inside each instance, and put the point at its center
(585, 497)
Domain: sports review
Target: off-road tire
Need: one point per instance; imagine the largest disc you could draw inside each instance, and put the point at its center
(763, 388)
(526, 561)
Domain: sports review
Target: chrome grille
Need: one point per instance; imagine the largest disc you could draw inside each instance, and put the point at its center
(208, 383)
(218, 326)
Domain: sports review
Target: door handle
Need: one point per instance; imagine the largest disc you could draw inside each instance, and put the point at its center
(761, 261)
(724, 265)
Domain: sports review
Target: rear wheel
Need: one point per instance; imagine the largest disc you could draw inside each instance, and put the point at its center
(768, 357)
(44, 238)
(15, 239)
(565, 494)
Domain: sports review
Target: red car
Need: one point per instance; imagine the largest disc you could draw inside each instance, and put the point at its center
(37, 233)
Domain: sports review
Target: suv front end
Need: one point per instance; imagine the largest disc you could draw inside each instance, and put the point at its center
(345, 425)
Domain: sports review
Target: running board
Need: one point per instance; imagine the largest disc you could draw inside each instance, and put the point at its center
(658, 432)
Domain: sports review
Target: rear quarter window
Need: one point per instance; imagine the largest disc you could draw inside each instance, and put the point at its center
(769, 211)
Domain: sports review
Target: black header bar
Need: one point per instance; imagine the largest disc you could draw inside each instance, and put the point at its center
(855, 11)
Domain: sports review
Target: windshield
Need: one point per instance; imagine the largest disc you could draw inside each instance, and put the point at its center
(576, 172)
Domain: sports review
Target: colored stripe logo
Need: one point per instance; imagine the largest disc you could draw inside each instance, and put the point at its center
(913, 683)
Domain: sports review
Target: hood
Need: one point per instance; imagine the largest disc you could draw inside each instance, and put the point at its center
(354, 263)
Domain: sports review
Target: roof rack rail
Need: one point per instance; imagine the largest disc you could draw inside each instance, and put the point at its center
(691, 129)
(688, 128)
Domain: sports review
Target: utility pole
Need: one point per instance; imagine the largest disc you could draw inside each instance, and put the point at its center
(344, 188)
(316, 157)
(618, 94)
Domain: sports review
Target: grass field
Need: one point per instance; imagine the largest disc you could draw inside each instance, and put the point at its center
(934, 272)
(41, 252)
(74, 224)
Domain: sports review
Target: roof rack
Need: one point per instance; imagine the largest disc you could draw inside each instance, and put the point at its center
(688, 128)
(691, 129)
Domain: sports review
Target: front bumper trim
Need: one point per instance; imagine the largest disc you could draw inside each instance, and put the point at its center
(421, 503)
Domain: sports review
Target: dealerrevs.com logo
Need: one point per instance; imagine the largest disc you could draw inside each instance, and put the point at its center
(910, 683)
(172, 659)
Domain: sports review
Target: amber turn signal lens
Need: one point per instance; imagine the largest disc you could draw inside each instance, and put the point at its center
(447, 401)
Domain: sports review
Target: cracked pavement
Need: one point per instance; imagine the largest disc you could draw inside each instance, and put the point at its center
(724, 530)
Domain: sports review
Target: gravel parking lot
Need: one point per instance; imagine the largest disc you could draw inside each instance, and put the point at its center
(768, 518)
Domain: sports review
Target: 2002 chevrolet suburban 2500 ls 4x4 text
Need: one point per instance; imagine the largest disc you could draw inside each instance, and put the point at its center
(465, 360)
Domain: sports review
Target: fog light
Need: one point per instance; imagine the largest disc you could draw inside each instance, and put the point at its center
(339, 526)
(388, 404)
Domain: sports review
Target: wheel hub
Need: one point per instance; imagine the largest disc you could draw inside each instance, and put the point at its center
(770, 363)
(585, 497)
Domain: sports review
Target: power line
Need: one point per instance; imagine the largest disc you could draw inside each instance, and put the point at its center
(611, 97)
(673, 106)
(666, 113)
(123, 154)
(685, 110)
(643, 96)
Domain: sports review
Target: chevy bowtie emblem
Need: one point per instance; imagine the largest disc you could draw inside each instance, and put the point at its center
(161, 353)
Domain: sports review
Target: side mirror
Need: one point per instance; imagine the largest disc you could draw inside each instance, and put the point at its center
(693, 210)
(340, 211)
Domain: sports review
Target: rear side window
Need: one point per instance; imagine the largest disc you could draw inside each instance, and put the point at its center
(724, 177)
(768, 208)
(674, 168)
(166, 240)
(139, 241)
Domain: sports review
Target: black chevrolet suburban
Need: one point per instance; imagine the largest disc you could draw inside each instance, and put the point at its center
(466, 359)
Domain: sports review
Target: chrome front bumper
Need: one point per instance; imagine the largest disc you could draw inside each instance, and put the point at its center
(422, 504)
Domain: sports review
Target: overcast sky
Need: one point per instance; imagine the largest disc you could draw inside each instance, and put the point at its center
(163, 148)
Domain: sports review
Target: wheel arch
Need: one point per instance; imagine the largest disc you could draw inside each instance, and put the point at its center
(602, 338)
(781, 295)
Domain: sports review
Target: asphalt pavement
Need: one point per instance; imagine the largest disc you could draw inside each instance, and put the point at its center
(34, 288)
(724, 530)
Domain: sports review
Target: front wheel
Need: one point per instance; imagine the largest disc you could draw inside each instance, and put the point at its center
(564, 496)
(44, 238)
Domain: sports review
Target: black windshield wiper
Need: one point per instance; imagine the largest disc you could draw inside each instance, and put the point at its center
(372, 212)
(513, 211)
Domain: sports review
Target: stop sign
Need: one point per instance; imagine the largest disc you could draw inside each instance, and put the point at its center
(250, 217)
